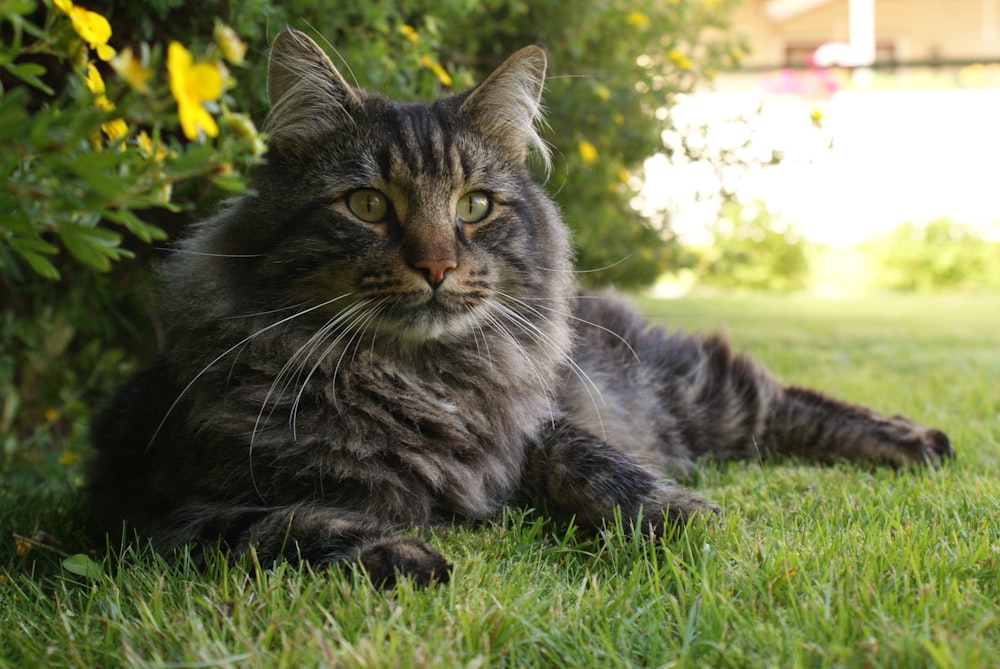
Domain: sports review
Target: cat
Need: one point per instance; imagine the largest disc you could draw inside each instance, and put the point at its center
(386, 333)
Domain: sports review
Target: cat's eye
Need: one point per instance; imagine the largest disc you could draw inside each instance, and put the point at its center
(473, 207)
(368, 205)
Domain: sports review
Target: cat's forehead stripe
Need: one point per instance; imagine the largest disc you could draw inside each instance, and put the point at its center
(420, 145)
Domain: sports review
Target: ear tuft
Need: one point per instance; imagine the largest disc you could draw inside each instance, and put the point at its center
(306, 92)
(508, 104)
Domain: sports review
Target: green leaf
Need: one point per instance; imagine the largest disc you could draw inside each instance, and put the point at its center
(31, 251)
(13, 114)
(232, 183)
(144, 231)
(29, 73)
(82, 565)
(98, 172)
(95, 247)
(22, 7)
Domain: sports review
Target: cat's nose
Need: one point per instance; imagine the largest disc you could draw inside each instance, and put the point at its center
(435, 270)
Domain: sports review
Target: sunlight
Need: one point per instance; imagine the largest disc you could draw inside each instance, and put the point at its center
(879, 158)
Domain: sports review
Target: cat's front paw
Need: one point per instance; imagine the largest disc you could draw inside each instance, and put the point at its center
(668, 508)
(388, 560)
(914, 444)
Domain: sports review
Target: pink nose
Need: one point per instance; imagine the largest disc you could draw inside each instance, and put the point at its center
(435, 270)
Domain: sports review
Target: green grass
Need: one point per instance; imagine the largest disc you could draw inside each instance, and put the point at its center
(809, 566)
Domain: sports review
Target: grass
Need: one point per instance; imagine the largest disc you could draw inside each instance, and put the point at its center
(809, 566)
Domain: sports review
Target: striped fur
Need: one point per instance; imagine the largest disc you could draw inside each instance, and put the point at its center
(330, 380)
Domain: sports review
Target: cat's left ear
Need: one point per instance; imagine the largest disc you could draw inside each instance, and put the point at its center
(306, 92)
(508, 105)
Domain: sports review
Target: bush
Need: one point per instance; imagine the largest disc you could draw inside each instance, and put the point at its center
(940, 255)
(95, 146)
(752, 249)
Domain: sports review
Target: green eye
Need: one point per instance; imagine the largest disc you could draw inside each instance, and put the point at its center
(368, 205)
(473, 207)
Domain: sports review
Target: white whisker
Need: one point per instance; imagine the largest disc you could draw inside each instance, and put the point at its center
(229, 350)
(536, 333)
(210, 255)
(508, 336)
(588, 271)
(263, 313)
(576, 318)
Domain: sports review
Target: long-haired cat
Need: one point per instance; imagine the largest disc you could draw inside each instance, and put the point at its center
(386, 333)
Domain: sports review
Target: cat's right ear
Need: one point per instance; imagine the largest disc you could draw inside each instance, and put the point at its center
(306, 92)
(507, 107)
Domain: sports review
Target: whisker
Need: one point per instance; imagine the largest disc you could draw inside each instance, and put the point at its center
(588, 271)
(503, 332)
(229, 350)
(356, 319)
(208, 255)
(263, 313)
(297, 361)
(532, 330)
(576, 318)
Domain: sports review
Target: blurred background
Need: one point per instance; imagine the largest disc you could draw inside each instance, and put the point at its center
(819, 147)
(883, 114)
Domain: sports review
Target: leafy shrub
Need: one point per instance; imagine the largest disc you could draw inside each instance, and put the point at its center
(94, 147)
(752, 249)
(940, 255)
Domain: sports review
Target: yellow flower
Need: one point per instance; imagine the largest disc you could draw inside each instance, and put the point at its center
(587, 152)
(679, 59)
(243, 126)
(115, 129)
(602, 92)
(233, 48)
(151, 148)
(21, 545)
(131, 70)
(193, 84)
(436, 68)
(409, 33)
(93, 28)
(68, 458)
(637, 19)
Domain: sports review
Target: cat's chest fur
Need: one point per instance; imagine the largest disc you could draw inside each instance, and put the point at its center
(414, 437)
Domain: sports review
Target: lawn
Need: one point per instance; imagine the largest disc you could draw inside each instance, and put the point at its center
(808, 566)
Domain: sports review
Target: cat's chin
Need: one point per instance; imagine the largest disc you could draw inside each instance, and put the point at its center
(435, 318)
(433, 326)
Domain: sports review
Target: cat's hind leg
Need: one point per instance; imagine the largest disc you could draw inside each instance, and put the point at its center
(806, 423)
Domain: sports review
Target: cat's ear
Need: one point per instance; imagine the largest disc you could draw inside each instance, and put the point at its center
(306, 92)
(508, 105)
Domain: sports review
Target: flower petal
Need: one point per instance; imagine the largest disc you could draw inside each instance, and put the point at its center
(205, 82)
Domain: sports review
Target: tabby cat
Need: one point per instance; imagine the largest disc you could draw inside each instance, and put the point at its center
(386, 334)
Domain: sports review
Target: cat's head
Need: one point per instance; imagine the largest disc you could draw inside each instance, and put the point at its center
(425, 214)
